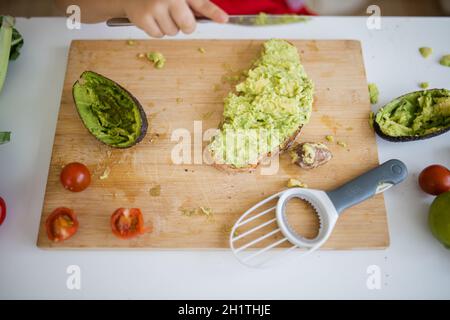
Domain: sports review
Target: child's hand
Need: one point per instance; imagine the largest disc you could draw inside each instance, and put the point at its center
(167, 17)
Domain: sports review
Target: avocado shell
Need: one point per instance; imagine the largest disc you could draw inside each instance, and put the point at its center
(377, 128)
(143, 116)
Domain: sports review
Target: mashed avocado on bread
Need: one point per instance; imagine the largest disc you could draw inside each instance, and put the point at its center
(416, 114)
(267, 109)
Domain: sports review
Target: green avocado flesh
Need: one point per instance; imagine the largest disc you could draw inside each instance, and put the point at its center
(108, 111)
(263, 19)
(416, 114)
(373, 93)
(266, 109)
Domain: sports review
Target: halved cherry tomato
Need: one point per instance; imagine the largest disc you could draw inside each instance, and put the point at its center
(75, 177)
(2, 210)
(128, 223)
(61, 224)
(435, 179)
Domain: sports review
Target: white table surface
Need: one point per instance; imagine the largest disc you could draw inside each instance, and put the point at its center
(414, 266)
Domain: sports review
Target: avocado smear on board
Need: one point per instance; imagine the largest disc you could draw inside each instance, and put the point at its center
(108, 111)
(275, 98)
(418, 113)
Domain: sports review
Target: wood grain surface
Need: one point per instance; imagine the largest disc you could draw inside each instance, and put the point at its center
(191, 88)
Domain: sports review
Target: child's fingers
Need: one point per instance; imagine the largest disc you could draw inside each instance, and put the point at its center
(183, 17)
(149, 25)
(209, 10)
(166, 24)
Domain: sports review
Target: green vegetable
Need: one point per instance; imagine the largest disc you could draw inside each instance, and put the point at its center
(274, 99)
(418, 113)
(10, 43)
(108, 111)
(5, 137)
(373, 93)
(425, 51)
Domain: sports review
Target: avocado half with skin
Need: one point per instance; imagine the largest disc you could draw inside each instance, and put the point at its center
(414, 116)
(109, 112)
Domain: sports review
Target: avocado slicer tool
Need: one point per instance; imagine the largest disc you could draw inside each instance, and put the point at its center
(328, 205)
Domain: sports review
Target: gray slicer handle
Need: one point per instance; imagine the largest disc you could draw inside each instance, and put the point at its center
(367, 185)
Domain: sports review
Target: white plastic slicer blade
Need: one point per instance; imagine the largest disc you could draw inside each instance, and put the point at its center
(327, 205)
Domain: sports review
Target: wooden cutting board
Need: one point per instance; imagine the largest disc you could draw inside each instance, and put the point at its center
(191, 88)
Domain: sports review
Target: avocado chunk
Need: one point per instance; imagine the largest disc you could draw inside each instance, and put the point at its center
(373, 93)
(424, 85)
(445, 60)
(108, 111)
(157, 58)
(414, 116)
(425, 51)
(275, 100)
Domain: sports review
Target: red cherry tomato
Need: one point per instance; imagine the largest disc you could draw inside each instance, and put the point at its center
(61, 224)
(128, 223)
(435, 179)
(75, 177)
(2, 210)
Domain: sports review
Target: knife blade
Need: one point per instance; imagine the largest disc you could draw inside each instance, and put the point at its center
(243, 20)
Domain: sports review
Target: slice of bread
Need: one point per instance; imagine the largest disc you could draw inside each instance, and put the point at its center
(252, 166)
(275, 98)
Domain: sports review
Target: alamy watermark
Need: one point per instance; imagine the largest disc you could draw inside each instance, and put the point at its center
(247, 148)
(73, 281)
(374, 21)
(373, 281)
(73, 21)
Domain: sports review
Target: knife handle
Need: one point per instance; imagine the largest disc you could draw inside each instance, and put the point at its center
(118, 22)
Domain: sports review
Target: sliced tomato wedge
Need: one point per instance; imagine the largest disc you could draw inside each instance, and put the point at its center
(128, 223)
(61, 224)
(2, 210)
